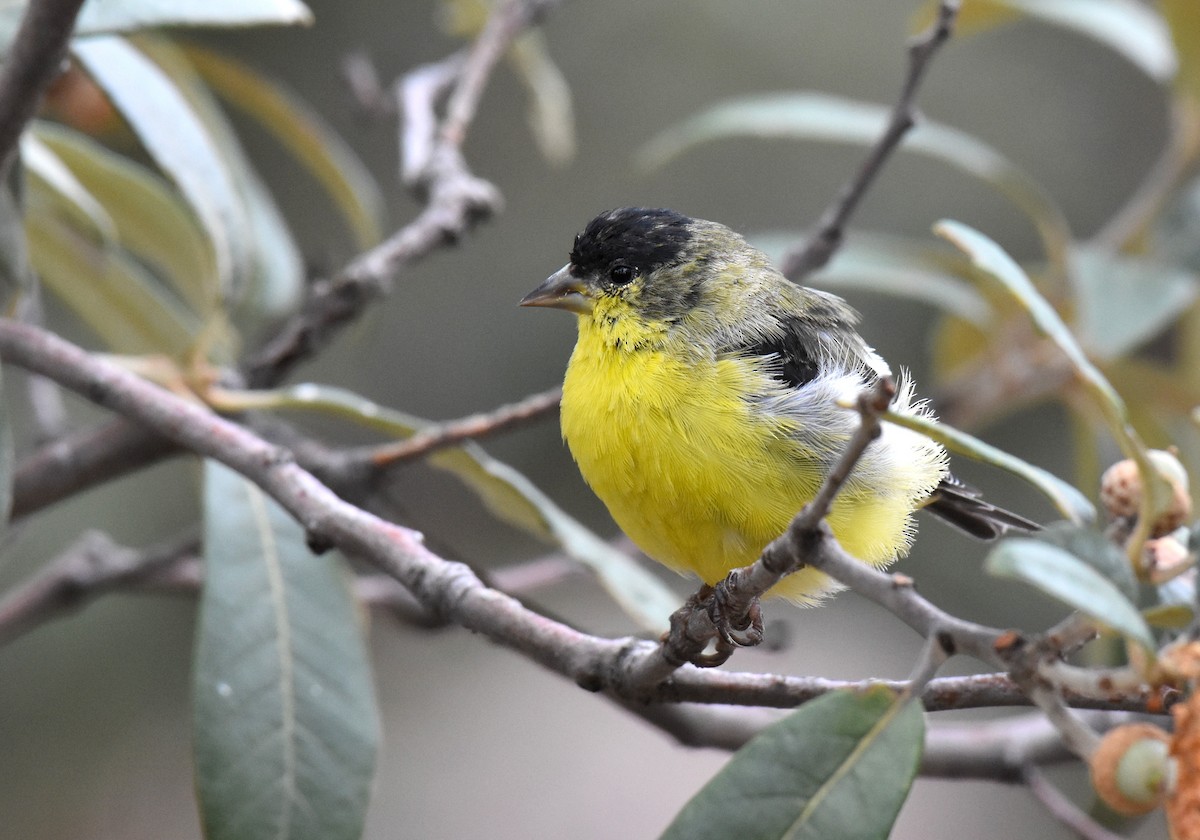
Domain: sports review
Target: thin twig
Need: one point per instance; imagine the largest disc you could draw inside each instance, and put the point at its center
(789, 552)
(1080, 739)
(508, 20)
(93, 565)
(82, 460)
(1063, 809)
(363, 82)
(455, 199)
(33, 62)
(474, 427)
(417, 94)
(830, 232)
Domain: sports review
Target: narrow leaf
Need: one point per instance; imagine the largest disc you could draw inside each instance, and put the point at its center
(839, 767)
(506, 493)
(303, 133)
(150, 216)
(990, 259)
(1122, 302)
(1183, 18)
(107, 290)
(178, 141)
(1127, 27)
(285, 724)
(889, 265)
(274, 271)
(106, 16)
(1096, 550)
(51, 181)
(1169, 616)
(822, 117)
(1070, 502)
(1068, 579)
(551, 115)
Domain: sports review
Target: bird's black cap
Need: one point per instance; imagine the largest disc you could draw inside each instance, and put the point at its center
(642, 238)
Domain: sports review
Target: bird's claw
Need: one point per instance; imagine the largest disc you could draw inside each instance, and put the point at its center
(746, 631)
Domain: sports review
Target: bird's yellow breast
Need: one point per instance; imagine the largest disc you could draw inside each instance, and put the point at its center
(690, 466)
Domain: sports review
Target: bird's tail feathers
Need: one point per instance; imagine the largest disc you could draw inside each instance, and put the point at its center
(962, 506)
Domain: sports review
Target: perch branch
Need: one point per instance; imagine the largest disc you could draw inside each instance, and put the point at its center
(450, 590)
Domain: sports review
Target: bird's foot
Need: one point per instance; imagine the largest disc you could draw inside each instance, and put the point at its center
(735, 628)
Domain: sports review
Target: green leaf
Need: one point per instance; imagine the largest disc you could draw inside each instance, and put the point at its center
(1169, 616)
(106, 16)
(1070, 502)
(1183, 18)
(1068, 579)
(889, 265)
(1095, 549)
(286, 728)
(179, 142)
(551, 115)
(1122, 302)
(274, 276)
(277, 280)
(990, 259)
(838, 767)
(822, 117)
(508, 494)
(108, 290)
(151, 219)
(303, 133)
(1127, 27)
(52, 182)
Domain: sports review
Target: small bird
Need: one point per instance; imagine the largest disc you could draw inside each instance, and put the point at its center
(701, 403)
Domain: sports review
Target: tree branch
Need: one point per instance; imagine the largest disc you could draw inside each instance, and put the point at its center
(82, 460)
(97, 455)
(474, 427)
(36, 57)
(455, 200)
(451, 591)
(93, 565)
(830, 232)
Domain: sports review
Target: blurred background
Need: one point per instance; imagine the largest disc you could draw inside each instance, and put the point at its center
(94, 718)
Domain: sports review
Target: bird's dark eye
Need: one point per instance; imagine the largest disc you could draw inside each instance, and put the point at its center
(620, 274)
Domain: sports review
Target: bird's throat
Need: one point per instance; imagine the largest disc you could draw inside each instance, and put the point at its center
(611, 326)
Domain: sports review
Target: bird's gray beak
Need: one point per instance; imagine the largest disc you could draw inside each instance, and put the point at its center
(561, 291)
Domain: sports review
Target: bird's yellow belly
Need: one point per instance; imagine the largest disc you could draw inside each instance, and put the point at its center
(694, 475)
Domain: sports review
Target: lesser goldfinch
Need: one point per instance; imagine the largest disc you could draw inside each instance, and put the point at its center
(701, 403)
